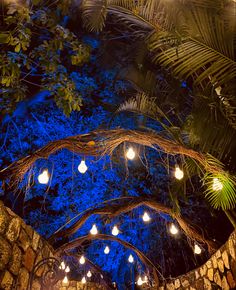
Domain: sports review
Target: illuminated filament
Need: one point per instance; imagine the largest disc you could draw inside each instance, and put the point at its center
(197, 249)
(94, 230)
(131, 259)
(82, 167)
(179, 174)
(130, 154)
(43, 178)
(146, 217)
(82, 260)
(173, 229)
(115, 231)
(106, 250)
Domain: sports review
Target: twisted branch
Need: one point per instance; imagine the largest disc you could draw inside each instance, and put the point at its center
(124, 206)
(100, 143)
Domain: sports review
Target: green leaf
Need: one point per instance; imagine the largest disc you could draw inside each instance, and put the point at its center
(17, 47)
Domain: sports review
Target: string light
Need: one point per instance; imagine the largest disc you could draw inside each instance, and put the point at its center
(131, 258)
(94, 230)
(82, 260)
(43, 178)
(62, 266)
(130, 154)
(146, 217)
(173, 229)
(89, 274)
(106, 250)
(101, 276)
(83, 280)
(140, 281)
(217, 185)
(197, 249)
(115, 231)
(67, 270)
(65, 280)
(179, 174)
(82, 167)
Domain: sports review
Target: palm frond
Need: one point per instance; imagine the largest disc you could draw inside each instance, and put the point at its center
(94, 14)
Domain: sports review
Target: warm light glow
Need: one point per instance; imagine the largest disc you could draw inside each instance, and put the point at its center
(83, 280)
(115, 231)
(197, 249)
(106, 250)
(179, 174)
(130, 154)
(82, 167)
(145, 279)
(131, 258)
(146, 217)
(67, 270)
(89, 274)
(94, 230)
(43, 178)
(65, 280)
(62, 266)
(173, 229)
(101, 276)
(140, 281)
(82, 260)
(217, 185)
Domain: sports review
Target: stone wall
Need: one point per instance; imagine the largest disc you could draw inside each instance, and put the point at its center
(219, 272)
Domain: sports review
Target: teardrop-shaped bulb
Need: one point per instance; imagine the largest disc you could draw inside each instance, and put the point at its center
(115, 231)
(131, 258)
(82, 260)
(146, 217)
(82, 167)
(106, 250)
(43, 178)
(94, 230)
(89, 274)
(130, 154)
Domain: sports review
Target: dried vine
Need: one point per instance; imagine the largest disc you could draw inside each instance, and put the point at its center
(100, 143)
(127, 205)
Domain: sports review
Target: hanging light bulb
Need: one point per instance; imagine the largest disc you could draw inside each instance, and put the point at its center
(146, 217)
(197, 249)
(82, 260)
(65, 280)
(67, 270)
(115, 231)
(173, 229)
(130, 154)
(89, 274)
(145, 279)
(101, 276)
(179, 174)
(140, 281)
(83, 280)
(106, 250)
(62, 265)
(94, 230)
(82, 167)
(217, 185)
(43, 178)
(131, 258)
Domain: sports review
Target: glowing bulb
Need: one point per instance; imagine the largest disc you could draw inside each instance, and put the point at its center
(217, 185)
(62, 266)
(179, 174)
(140, 281)
(145, 279)
(173, 229)
(101, 276)
(131, 258)
(197, 249)
(89, 274)
(115, 231)
(130, 154)
(106, 250)
(94, 230)
(83, 280)
(65, 280)
(82, 260)
(82, 167)
(43, 178)
(67, 270)
(146, 217)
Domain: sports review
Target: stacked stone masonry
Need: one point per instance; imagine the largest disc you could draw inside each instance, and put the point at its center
(21, 248)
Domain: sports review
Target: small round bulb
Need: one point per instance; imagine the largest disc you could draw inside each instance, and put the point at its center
(67, 270)
(65, 280)
(173, 229)
(43, 178)
(82, 167)
(140, 281)
(146, 217)
(83, 280)
(62, 265)
(82, 260)
(115, 231)
(197, 249)
(179, 174)
(217, 185)
(94, 230)
(130, 154)
(106, 250)
(131, 258)
(89, 274)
